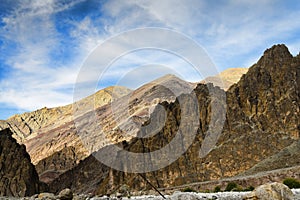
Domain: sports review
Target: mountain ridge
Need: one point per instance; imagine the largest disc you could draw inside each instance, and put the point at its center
(267, 94)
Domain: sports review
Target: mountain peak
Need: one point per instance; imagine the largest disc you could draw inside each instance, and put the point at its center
(278, 50)
(276, 54)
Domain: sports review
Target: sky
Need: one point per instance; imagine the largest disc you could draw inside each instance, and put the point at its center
(44, 44)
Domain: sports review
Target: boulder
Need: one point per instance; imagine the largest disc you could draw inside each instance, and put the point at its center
(274, 191)
(66, 194)
(46, 196)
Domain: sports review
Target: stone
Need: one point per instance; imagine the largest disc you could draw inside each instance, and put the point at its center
(65, 194)
(46, 196)
(274, 191)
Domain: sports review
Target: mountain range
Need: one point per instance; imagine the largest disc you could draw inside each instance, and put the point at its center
(247, 126)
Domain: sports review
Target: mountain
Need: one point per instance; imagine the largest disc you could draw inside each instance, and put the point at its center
(28, 125)
(226, 78)
(261, 119)
(18, 176)
(60, 129)
(37, 129)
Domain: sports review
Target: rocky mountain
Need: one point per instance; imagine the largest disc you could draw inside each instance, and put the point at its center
(28, 125)
(261, 118)
(61, 130)
(226, 78)
(40, 129)
(18, 176)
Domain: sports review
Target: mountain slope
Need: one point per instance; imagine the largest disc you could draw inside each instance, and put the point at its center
(226, 78)
(27, 125)
(267, 94)
(287, 157)
(120, 120)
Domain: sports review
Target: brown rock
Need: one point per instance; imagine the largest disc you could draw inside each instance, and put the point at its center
(65, 194)
(46, 196)
(18, 176)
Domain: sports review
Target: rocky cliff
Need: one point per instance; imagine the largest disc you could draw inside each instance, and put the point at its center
(262, 117)
(18, 176)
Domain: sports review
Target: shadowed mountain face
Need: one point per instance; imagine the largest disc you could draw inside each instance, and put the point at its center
(18, 176)
(56, 164)
(261, 118)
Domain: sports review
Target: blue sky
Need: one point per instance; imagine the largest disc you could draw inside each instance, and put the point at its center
(43, 43)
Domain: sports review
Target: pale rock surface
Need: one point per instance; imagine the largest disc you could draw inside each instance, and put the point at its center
(274, 191)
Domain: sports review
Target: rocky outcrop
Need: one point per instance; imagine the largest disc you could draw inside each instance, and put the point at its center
(18, 176)
(262, 117)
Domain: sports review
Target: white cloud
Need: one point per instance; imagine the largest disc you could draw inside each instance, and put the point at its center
(234, 33)
(35, 82)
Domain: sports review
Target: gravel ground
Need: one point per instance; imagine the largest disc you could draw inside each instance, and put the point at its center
(175, 196)
(195, 196)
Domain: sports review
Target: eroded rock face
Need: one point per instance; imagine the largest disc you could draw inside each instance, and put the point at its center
(262, 117)
(18, 176)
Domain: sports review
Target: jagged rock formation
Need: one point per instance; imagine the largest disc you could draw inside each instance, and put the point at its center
(226, 78)
(262, 114)
(18, 176)
(262, 117)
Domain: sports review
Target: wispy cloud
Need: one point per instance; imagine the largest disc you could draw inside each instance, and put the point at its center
(43, 44)
(35, 80)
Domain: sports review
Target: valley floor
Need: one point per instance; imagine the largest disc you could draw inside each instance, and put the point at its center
(195, 196)
(175, 196)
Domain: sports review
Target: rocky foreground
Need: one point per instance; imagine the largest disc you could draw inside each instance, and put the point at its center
(270, 191)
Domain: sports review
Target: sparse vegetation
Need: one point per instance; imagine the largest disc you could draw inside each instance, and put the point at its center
(230, 186)
(237, 189)
(188, 190)
(250, 188)
(217, 189)
(291, 183)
